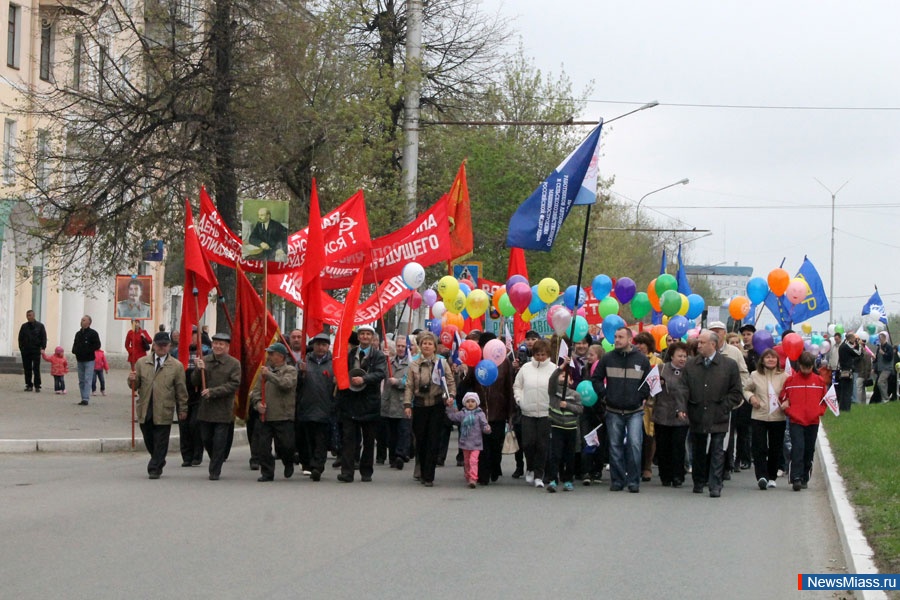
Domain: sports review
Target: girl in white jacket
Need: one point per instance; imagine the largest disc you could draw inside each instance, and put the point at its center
(533, 399)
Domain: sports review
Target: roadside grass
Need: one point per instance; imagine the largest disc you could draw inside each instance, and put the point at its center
(866, 444)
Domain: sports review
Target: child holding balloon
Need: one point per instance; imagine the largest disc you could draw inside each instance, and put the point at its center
(564, 412)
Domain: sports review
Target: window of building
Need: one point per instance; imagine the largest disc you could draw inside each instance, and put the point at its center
(12, 36)
(9, 151)
(77, 50)
(42, 166)
(46, 50)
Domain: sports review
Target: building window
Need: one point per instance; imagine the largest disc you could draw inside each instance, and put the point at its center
(46, 50)
(12, 36)
(9, 151)
(77, 50)
(42, 166)
(37, 290)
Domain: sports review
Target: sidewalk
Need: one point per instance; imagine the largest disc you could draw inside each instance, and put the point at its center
(48, 422)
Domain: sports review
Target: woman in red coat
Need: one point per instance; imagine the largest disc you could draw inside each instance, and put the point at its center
(137, 342)
(801, 399)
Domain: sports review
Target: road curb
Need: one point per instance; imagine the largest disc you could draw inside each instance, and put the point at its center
(857, 551)
(93, 445)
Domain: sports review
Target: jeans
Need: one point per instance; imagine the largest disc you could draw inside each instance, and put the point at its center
(85, 377)
(59, 383)
(803, 451)
(98, 375)
(625, 462)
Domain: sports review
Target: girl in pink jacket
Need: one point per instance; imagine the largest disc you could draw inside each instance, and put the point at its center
(101, 366)
(59, 366)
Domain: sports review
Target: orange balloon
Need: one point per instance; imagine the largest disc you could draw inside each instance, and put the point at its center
(495, 301)
(654, 297)
(456, 319)
(739, 307)
(659, 333)
(778, 281)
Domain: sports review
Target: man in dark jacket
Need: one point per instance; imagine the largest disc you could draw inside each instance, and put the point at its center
(714, 389)
(315, 389)
(216, 410)
(87, 341)
(848, 362)
(32, 341)
(624, 370)
(359, 407)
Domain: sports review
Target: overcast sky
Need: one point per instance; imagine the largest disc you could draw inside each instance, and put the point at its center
(752, 170)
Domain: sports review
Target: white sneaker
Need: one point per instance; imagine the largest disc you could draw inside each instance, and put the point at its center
(538, 483)
(529, 476)
(771, 484)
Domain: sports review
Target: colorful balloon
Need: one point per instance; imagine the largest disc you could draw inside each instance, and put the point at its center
(415, 301)
(685, 305)
(505, 306)
(470, 353)
(601, 286)
(778, 280)
(609, 306)
(796, 291)
(739, 307)
(664, 283)
(548, 289)
(514, 279)
(486, 372)
(678, 326)
(670, 302)
(430, 297)
(579, 329)
(640, 305)
(519, 296)
(438, 309)
(607, 345)
(610, 325)
(536, 305)
(792, 345)
(458, 304)
(653, 296)
(807, 328)
(454, 319)
(560, 321)
(757, 290)
(763, 340)
(824, 346)
(495, 300)
(569, 297)
(585, 389)
(625, 289)
(447, 288)
(494, 351)
(477, 303)
(413, 275)
(448, 335)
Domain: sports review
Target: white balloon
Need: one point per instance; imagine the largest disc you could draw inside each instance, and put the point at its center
(413, 275)
(824, 347)
(438, 309)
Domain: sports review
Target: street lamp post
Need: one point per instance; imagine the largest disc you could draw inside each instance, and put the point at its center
(831, 284)
(637, 210)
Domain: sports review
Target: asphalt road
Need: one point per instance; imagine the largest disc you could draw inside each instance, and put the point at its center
(93, 526)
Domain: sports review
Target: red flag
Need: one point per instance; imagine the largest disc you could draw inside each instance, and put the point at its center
(199, 280)
(339, 358)
(255, 329)
(459, 211)
(312, 268)
(517, 266)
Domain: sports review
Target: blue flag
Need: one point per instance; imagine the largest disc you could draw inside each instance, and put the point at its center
(683, 286)
(656, 316)
(875, 306)
(536, 222)
(815, 303)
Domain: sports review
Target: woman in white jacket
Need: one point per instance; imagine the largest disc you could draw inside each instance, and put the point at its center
(767, 419)
(532, 397)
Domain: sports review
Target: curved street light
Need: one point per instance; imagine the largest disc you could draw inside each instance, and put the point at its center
(637, 211)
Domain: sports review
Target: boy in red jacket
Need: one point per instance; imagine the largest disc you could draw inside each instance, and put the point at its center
(801, 399)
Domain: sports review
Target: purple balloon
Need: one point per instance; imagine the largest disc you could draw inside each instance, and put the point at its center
(516, 279)
(625, 289)
(430, 297)
(435, 326)
(762, 341)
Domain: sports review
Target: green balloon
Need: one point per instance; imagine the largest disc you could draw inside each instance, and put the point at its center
(640, 305)
(839, 329)
(608, 306)
(609, 347)
(871, 328)
(505, 306)
(664, 283)
(670, 302)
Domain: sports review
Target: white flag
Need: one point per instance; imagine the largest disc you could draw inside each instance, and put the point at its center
(830, 399)
(773, 399)
(788, 369)
(563, 353)
(592, 439)
(653, 381)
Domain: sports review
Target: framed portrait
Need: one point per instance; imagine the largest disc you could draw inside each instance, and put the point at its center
(134, 297)
(264, 229)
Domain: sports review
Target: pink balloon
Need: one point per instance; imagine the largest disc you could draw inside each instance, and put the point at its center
(494, 351)
(581, 312)
(796, 291)
(519, 296)
(415, 301)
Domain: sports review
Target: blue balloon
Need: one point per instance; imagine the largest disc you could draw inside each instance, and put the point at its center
(465, 288)
(696, 304)
(610, 325)
(678, 326)
(486, 372)
(779, 329)
(762, 341)
(536, 305)
(585, 389)
(757, 290)
(770, 327)
(435, 326)
(601, 286)
(569, 297)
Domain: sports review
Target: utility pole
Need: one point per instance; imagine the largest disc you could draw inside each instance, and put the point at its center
(410, 164)
(831, 284)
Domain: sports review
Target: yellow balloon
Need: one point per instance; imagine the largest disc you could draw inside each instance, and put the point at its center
(548, 290)
(663, 343)
(458, 304)
(807, 328)
(685, 305)
(447, 288)
(477, 303)
(665, 320)
(527, 315)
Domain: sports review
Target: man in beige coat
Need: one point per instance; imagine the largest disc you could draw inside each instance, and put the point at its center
(276, 404)
(160, 383)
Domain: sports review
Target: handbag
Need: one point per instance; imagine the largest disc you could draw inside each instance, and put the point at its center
(510, 443)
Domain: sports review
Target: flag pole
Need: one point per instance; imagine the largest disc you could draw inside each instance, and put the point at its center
(262, 385)
(196, 294)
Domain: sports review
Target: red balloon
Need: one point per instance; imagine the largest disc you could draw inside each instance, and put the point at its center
(520, 296)
(448, 335)
(470, 352)
(792, 344)
(415, 301)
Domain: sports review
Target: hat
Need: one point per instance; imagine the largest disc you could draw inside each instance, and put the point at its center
(321, 337)
(162, 338)
(357, 373)
(485, 338)
(472, 396)
(716, 325)
(532, 335)
(221, 337)
(60, 349)
(365, 328)
(278, 347)
(748, 327)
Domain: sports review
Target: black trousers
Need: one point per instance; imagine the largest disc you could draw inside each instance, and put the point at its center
(313, 444)
(592, 460)
(190, 439)
(303, 444)
(396, 439)
(803, 449)
(428, 427)
(156, 440)
(739, 442)
(708, 454)
(492, 453)
(31, 362)
(282, 433)
(562, 455)
(352, 431)
(768, 448)
(215, 441)
(252, 423)
(535, 442)
(670, 451)
(845, 394)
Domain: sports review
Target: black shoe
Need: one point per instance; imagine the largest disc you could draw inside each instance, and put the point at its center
(254, 466)
(345, 478)
(196, 462)
(459, 463)
(439, 463)
(264, 478)
(366, 478)
(336, 464)
(667, 484)
(698, 489)
(186, 463)
(726, 476)
(82, 403)
(213, 477)
(797, 486)
(494, 478)
(715, 493)
(634, 489)
(37, 389)
(154, 475)
(316, 475)
(615, 488)
(28, 388)
(429, 484)
(677, 483)
(380, 461)
(288, 470)
(745, 465)
(804, 485)
(518, 473)
(398, 464)
(736, 469)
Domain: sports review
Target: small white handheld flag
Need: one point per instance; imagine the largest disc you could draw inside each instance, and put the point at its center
(830, 399)
(653, 381)
(773, 399)
(591, 438)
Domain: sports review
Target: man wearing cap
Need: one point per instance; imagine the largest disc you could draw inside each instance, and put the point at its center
(159, 382)
(737, 438)
(315, 387)
(276, 404)
(216, 410)
(359, 407)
